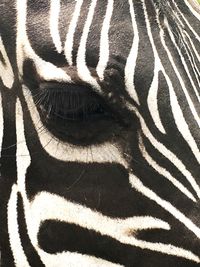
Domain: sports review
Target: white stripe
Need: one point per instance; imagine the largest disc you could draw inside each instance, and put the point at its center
(23, 162)
(160, 147)
(54, 24)
(71, 31)
(194, 54)
(182, 60)
(46, 70)
(190, 52)
(184, 89)
(13, 231)
(140, 187)
(176, 109)
(194, 12)
(197, 42)
(1, 124)
(73, 259)
(152, 100)
(182, 124)
(47, 206)
(14, 237)
(168, 249)
(83, 70)
(163, 172)
(177, 112)
(166, 152)
(130, 69)
(197, 37)
(132, 58)
(185, 43)
(184, 18)
(22, 153)
(119, 229)
(6, 71)
(171, 157)
(104, 41)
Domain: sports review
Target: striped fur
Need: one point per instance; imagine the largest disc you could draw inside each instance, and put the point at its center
(129, 195)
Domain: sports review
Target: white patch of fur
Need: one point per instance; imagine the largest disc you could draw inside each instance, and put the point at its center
(73, 259)
(132, 58)
(6, 71)
(152, 101)
(82, 68)
(70, 35)
(54, 24)
(104, 41)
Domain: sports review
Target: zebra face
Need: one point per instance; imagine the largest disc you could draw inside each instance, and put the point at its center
(92, 98)
(75, 112)
(99, 133)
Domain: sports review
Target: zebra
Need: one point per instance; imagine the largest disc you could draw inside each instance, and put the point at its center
(99, 133)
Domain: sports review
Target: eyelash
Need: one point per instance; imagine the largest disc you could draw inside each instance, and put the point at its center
(70, 104)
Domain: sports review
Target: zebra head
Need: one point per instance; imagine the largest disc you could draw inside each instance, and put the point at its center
(99, 133)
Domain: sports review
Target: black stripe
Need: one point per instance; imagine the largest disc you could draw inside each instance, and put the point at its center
(55, 237)
(2, 59)
(32, 257)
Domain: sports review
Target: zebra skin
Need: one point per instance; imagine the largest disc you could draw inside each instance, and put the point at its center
(99, 133)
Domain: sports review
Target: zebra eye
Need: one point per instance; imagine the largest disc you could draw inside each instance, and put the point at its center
(70, 103)
(72, 112)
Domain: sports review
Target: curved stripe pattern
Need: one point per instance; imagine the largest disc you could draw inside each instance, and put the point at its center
(99, 133)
